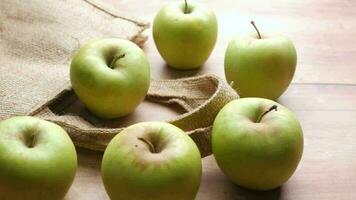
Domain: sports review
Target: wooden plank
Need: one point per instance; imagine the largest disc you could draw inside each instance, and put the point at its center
(327, 170)
(323, 33)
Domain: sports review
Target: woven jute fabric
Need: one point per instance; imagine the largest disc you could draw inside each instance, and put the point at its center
(200, 97)
(38, 39)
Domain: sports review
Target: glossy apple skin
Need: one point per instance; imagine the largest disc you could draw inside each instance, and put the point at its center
(260, 67)
(44, 171)
(110, 92)
(131, 171)
(259, 156)
(185, 41)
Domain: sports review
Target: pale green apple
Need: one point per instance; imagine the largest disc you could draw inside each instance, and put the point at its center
(185, 34)
(257, 143)
(110, 76)
(260, 67)
(38, 160)
(151, 161)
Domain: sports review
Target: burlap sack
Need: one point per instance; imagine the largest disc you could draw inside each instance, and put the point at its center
(38, 38)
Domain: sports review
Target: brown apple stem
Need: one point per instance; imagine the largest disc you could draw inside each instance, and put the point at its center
(31, 141)
(31, 136)
(274, 107)
(185, 7)
(115, 59)
(258, 32)
(149, 144)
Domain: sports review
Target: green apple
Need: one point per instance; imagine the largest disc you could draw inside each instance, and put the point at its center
(257, 143)
(38, 160)
(260, 65)
(110, 76)
(151, 161)
(185, 34)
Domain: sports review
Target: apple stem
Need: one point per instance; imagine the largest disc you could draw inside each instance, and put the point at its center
(185, 7)
(232, 83)
(149, 144)
(31, 141)
(258, 32)
(274, 107)
(115, 59)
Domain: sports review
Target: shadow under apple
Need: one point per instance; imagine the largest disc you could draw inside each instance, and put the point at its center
(164, 71)
(247, 194)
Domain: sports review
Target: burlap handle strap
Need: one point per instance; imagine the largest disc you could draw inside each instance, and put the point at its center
(201, 97)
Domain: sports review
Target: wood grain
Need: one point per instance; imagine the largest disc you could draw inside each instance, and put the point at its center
(323, 95)
(322, 31)
(327, 170)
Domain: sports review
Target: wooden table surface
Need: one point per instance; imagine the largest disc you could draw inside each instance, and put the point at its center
(323, 95)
